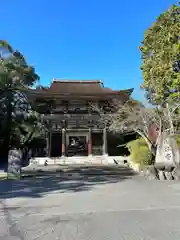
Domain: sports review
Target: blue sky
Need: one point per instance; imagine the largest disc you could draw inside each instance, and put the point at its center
(82, 39)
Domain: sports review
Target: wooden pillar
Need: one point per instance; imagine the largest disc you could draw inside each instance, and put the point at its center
(105, 141)
(49, 143)
(63, 147)
(90, 142)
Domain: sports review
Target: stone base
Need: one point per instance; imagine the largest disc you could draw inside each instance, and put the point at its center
(150, 173)
(101, 159)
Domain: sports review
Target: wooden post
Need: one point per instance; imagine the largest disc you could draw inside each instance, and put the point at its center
(49, 143)
(63, 147)
(90, 142)
(105, 141)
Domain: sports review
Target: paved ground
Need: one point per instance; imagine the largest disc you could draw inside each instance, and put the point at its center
(111, 205)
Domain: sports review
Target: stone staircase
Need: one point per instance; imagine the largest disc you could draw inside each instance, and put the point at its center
(91, 172)
(99, 160)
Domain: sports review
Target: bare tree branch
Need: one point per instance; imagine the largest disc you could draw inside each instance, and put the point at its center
(133, 116)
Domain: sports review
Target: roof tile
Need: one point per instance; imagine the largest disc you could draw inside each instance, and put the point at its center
(77, 87)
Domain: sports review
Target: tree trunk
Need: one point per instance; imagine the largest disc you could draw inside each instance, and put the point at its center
(29, 138)
(170, 120)
(7, 135)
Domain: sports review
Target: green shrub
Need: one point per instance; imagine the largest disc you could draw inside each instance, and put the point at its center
(139, 152)
(178, 140)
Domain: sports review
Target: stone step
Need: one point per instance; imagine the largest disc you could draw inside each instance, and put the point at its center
(80, 160)
(80, 170)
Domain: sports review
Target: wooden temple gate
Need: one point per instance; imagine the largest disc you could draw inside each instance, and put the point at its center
(85, 129)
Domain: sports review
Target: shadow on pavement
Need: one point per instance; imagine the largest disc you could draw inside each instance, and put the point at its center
(72, 179)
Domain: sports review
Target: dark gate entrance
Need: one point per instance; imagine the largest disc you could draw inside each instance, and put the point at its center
(77, 146)
(97, 143)
(56, 145)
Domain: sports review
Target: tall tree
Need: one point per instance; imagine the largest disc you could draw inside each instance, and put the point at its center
(160, 51)
(16, 76)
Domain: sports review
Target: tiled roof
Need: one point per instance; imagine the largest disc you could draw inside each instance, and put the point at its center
(79, 88)
(72, 87)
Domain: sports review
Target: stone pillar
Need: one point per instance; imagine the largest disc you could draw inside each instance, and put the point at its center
(90, 142)
(63, 147)
(14, 164)
(105, 141)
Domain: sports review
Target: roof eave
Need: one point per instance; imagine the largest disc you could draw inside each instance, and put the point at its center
(113, 92)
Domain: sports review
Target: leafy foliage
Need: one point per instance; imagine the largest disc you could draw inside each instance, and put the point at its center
(15, 73)
(147, 122)
(18, 123)
(160, 51)
(178, 140)
(139, 152)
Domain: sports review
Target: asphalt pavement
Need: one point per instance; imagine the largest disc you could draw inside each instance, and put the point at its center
(103, 207)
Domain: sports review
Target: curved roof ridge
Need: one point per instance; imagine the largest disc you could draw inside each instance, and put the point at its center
(75, 81)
